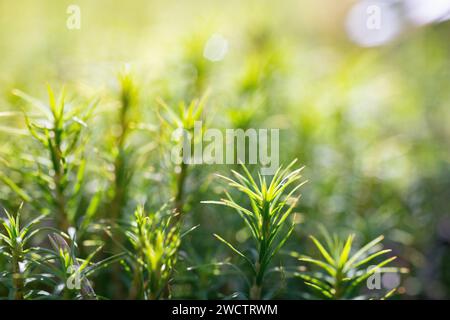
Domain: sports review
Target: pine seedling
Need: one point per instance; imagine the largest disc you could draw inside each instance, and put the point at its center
(270, 206)
(341, 270)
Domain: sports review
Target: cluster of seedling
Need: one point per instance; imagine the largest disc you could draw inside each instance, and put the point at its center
(78, 239)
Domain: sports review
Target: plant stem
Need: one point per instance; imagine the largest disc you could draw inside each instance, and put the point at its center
(134, 291)
(179, 203)
(256, 289)
(119, 197)
(255, 292)
(58, 177)
(120, 184)
(17, 277)
(61, 218)
(337, 285)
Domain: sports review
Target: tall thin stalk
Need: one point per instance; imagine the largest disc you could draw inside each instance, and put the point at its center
(123, 171)
(185, 118)
(122, 168)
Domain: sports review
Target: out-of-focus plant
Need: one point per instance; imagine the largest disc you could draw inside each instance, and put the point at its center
(63, 264)
(124, 156)
(151, 253)
(15, 245)
(342, 270)
(121, 152)
(59, 172)
(271, 204)
(183, 119)
(69, 275)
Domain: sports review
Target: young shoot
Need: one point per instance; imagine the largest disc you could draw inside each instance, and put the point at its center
(152, 253)
(342, 270)
(271, 204)
(59, 129)
(16, 247)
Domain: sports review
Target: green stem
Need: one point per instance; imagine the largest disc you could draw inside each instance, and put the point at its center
(17, 278)
(119, 195)
(58, 167)
(179, 203)
(337, 285)
(134, 291)
(256, 289)
(61, 218)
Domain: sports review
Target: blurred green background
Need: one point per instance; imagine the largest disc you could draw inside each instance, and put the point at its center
(368, 115)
